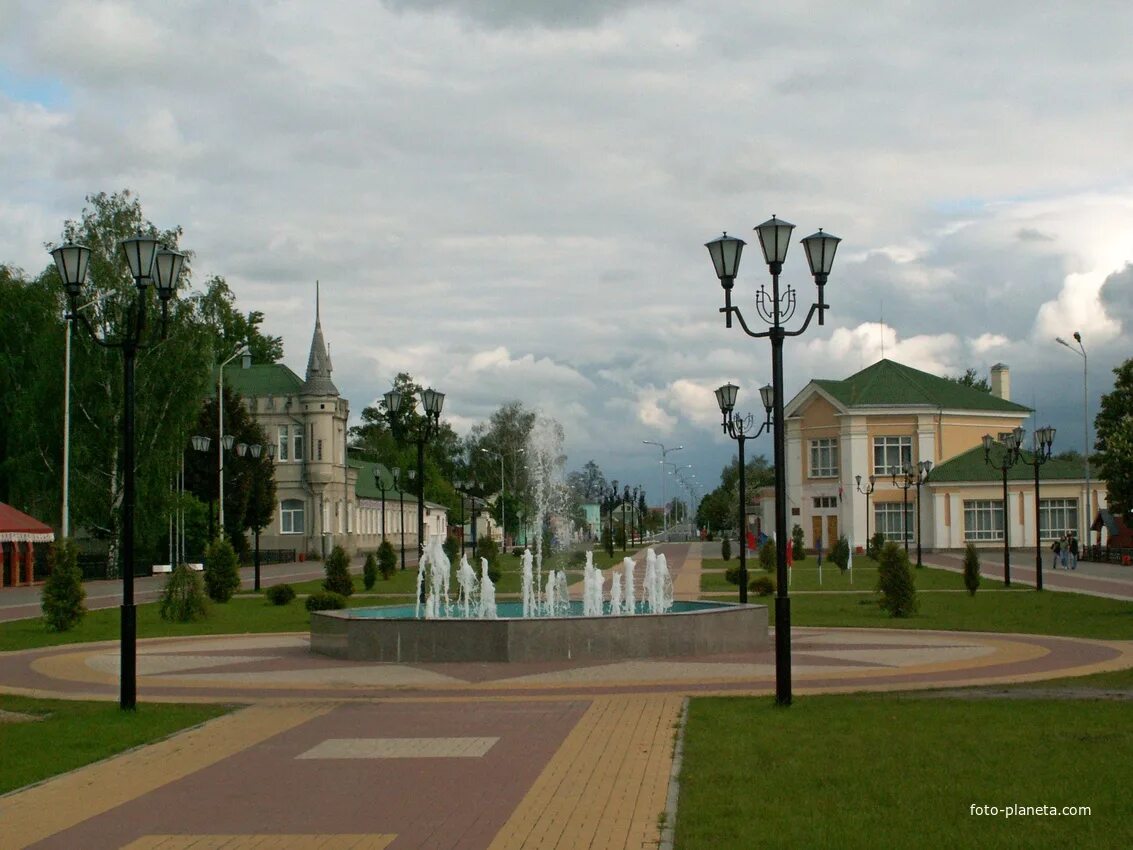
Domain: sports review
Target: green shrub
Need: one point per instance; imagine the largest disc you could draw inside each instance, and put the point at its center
(183, 598)
(762, 585)
(875, 545)
(452, 549)
(767, 555)
(895, 582)
(387, 560)
(971, 569)
(314, 555)
(517, 551)
(576, 558)
(325, 600)
(338, 573)
(280, 594)
(726, 548)
(732, 574)
(370, 571)
(840, 554)
(488, 548)
(63, 592)
(222, 576)
(797, 540)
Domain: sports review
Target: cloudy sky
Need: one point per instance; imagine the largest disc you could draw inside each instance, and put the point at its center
(509, 198)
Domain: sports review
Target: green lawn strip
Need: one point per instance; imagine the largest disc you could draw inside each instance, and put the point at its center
(72, 734)
(243, 614)
(805, 576)
(897, 771)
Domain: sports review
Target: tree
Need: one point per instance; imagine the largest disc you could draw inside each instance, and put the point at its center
(222, 576)
(338, 573)
(183, 597)
(971, 569)
(895, 582)
(587, 484)
(972, 379)
(1114, 443)
(63, 592)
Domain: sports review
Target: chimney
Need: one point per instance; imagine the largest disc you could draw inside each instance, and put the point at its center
(1001, 381)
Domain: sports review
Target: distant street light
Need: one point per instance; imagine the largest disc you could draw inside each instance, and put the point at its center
(664, 503)
(1012, 442)
(1087, 513)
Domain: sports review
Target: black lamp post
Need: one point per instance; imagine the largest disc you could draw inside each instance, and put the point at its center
(149, 263)
(775, 308)
(432, 401)
(866, 491)
(1012, 442)
(739, 429)
(911, 475)
(255, 450)
(400, 512)
(380, 483)
(460, 487)
(1042, 442)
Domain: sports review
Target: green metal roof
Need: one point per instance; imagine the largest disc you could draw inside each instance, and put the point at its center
(970, 466)
(894, 384)
(259, 380)
(366, 488)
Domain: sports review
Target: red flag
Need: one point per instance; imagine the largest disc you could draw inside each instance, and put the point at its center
(790, 555)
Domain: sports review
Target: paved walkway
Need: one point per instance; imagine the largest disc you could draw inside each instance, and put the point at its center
(338, 754)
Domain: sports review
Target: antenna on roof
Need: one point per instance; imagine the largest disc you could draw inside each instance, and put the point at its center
(881, 326)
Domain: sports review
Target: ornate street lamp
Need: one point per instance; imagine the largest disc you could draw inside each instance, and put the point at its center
(775, 308)
(1042, 442)
(739, 428)
(1012, 444)
(1087, 514)
(380, 483)
(866, 491)
(149, 263)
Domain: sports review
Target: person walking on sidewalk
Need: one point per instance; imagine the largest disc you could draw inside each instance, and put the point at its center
(1056, 548)
(1073, 551)
(1065, 552)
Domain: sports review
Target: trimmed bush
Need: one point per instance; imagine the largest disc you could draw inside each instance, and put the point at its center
(732, 574)
(489, 549)
(280, 594)
(726, 547)
(767, 555)
(183, 598)
(370, 571)
(452, 549)
(895, 582)
(875, 545)
(971, 569)
(762, 585)
(798, 541)
(325, 600)
(222, 576)
(338, 573)
(576, 558)
(63, 592)
(387, 560)
(840, 554)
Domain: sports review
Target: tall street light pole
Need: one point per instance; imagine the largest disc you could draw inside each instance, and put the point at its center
(148, 263)
(1042, 442)
(775, 308)
(223, 442)
(1087, 517)
(739, 429)
(664, 503)
(866, 491)
(1012, 442)
(66, 508)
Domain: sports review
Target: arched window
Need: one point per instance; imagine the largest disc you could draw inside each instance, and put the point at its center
(291, 516)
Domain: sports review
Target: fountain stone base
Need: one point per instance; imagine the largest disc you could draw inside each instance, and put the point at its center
(394, 635)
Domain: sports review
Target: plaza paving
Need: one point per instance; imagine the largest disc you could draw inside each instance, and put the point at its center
(331, 753)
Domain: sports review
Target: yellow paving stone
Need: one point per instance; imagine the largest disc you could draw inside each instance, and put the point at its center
(606, 784)
(254, 842)
(43, 810)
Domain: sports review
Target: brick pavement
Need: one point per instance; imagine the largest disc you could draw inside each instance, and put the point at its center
(337, 754)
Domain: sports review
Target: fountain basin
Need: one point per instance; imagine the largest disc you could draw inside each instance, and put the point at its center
(395, 634)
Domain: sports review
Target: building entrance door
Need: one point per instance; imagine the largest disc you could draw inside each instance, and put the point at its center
(816, 531)
(831, 532)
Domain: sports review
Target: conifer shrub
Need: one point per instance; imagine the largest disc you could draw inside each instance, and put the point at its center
(452, 549)
(840, 554)
(875, 545)
(338, 573)
(576, 558)
(762, 585)
(726, 547)
(732, 574)
(183, 597)
(222, 576)
(325, 600)
(63, 592)
(280, 594)
(971, 569)
(489, 549)
(895, 582)
(387, 560)
(370, 571)
(767, 555)
(798, 542)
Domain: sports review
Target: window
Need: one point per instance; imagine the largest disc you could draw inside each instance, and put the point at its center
(887, 519)
(284, 442)
(1057, 517)
(825, 501)
(824, 457)
(891, 451)
(291, 516)
(297, 441)
(983, 520)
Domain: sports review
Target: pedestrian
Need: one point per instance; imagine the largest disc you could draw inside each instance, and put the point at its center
(1065, 552)
(1073, 551)
(818, 548)
(1056, 548)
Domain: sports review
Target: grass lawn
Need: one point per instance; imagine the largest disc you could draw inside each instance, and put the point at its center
(901, 771)
(71, 734)
(805, 576)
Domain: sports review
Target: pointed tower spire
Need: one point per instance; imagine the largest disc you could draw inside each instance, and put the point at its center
(318, 380)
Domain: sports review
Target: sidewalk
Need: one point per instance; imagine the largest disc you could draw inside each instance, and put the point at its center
(1092, 578)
